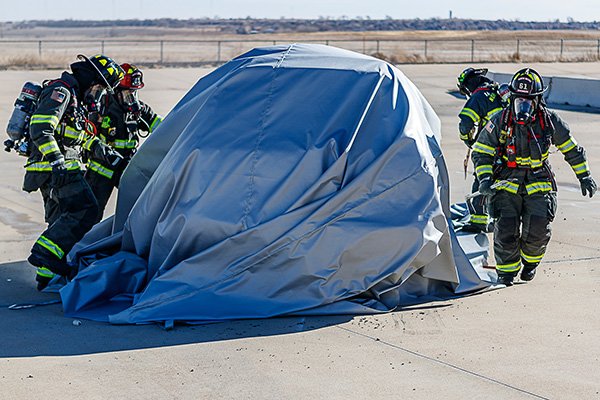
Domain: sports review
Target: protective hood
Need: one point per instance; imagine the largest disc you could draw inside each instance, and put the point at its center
(84, 75)
(298, 179)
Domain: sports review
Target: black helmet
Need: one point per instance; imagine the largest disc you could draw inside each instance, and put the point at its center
(526, 89)
(527, 83)
(109, 72)
(465, 85)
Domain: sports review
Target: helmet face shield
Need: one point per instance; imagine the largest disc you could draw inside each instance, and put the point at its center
(129, 99)
(91, 99)
(523, 109)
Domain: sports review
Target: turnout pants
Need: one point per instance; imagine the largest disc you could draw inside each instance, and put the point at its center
(522, 230)
(102, 187)
(71, 212)
(477, 209)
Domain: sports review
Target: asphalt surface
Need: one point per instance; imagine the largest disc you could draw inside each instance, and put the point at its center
(533, 340)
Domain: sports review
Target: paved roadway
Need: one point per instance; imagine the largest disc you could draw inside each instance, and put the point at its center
(534, 340)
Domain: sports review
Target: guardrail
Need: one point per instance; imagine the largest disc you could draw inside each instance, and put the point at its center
(579, 92)
(167, 52)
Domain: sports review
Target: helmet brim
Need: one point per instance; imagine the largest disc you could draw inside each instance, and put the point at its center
(513, 92)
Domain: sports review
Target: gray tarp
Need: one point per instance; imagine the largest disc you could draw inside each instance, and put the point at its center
(298, 179)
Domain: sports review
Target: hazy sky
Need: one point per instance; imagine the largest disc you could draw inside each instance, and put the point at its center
(549, 10)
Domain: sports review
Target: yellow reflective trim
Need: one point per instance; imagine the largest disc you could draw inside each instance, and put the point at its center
(482, 148)
(479, 219)
(48, 148)
(100, 169)
(538, 187)
(483, 169)
(44, 119)
(509, 267)
(566, 146)
(45, 272)
(531, 259)
(471, 114)
(44, 166)
(528, 162)
(495, 110)
(73, 133)
(580, 168)
(88, 143)
(155, 123)
(51, 246)
(509, 187)
(125, 144)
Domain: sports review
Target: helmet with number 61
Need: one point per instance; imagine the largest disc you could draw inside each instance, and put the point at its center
(526, 90)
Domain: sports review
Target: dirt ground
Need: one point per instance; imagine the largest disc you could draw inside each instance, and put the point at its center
(42, 47)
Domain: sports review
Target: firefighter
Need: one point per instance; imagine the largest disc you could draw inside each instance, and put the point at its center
(58, 129)
(121, 122)
(511, 153)
(484, 98)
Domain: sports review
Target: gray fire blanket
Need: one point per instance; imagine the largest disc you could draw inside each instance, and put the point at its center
(293, 180)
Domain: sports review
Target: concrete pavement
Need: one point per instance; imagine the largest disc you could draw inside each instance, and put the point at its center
(534, 340)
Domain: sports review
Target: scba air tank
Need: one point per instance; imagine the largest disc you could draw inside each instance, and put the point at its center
(24, 107)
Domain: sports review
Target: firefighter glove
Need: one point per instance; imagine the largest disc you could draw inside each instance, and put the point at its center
(112, 157)
(469, 142)
(588, 186)
(59, 173)
(485, 187)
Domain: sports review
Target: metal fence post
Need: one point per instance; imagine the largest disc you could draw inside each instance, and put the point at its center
(445, 55)
(561, 48)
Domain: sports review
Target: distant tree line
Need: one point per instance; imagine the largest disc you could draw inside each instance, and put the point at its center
(250, 25)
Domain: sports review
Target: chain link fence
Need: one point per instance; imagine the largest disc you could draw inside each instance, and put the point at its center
(58, 53)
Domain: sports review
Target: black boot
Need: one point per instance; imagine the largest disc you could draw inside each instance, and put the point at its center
(42, 282)
(53, 264)
(528, 272)
(505, 279)
(472, 228)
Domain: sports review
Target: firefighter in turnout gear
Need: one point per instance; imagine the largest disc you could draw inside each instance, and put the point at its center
(484, 98)
(58, 130)
(512, 152)
(122, 119)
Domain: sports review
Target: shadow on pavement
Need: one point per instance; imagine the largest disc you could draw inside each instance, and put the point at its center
(45, 331)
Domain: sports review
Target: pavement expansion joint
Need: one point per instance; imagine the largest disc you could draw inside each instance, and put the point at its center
(447, 364)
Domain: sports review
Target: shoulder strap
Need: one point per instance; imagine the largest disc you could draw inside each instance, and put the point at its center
(481, 88)
(546, 122)
(505, 125)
